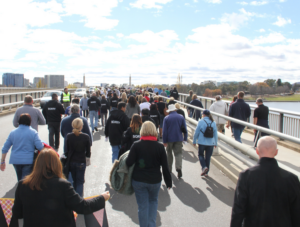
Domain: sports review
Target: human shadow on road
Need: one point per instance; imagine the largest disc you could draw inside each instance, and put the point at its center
(11, 193)
(128, 204)
(192, 197)
(222, 193)
(189, 156)
(96, 136)
(297, 168)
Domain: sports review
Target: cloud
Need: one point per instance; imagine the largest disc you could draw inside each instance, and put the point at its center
(270, 39)
(148, 4)
(94, 13)
(282, 22)
(258, 3)
(235, 20)
(120, 35)
(243, 3)
(282, 0)
(262, 30)
(214, 1)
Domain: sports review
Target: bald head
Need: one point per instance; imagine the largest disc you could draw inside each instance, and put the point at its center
(267, 147)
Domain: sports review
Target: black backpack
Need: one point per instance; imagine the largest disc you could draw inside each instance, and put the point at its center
(209, 131)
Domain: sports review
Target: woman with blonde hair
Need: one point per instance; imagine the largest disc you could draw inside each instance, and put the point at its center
(46, 198)
(123, 97)
(140, 99)
(147, 96)
(148, 155)
(179, 110)
(78, 154)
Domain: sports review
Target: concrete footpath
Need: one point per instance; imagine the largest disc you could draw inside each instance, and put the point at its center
(193, 200)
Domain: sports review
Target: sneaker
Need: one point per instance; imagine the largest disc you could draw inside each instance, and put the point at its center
(179, 173)
(96, 129)
(206, 175)
(205, 170)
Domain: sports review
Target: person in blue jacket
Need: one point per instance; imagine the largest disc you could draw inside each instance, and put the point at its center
(204, 143)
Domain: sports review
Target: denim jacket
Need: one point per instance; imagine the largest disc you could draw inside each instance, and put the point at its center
(199, 133)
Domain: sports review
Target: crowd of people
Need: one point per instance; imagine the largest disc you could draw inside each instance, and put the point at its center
(148, 123)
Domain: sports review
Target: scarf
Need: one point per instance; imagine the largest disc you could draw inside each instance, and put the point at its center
(150, 138)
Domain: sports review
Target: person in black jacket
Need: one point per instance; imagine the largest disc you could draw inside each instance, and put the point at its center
(198, 103)
(52, 112)
(78, 154)
(45, 198)
(148, 155)
(114, 102)
(94, 105)
(265, 194)
(132, 134)
(174, 93)
(154, 114)
(145, 116)
(103, 110)
(116, 124)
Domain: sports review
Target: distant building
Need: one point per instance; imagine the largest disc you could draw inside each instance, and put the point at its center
(66, 84)
(103, 84)
(83, 80)
(26, 82)
(226, 82)
(13, 80)
(130, 80)
(208, 82)
(78, 84)
(54, 81)
(36, 80)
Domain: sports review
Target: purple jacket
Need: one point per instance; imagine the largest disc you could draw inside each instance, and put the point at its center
(173, 123)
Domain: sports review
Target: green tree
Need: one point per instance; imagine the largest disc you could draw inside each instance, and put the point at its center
(270, 82)
(288, 84)
(279, 83)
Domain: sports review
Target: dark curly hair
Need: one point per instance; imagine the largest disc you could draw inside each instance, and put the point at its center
(132, 101)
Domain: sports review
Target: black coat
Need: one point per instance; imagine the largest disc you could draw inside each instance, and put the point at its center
(241, 111)
(266, 195)
(94, 103)
(104, 106)
(128, 139)
(53, 206)
(52, 111)
(155, 115)
(174, 93)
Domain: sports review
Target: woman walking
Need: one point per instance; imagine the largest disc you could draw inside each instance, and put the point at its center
(154, 114)
(103, 110)
(23, 140)
(132, 107)
(206, 141)
(123, 98)
(84, 106)
(132, 134)
(46, 199)
(78, 154)
(148, 155)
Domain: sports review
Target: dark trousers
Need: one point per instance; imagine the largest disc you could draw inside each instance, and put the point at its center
(54, 130)
(23, 170)
(85, 113)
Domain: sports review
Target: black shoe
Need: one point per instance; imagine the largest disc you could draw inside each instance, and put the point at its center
(93, 131)
(96, 129)
(179, 173)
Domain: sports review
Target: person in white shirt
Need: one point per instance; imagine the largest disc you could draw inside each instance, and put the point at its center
(144, 105)
(220, 107)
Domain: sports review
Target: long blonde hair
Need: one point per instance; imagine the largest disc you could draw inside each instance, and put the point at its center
(77, 125)
(124, 97)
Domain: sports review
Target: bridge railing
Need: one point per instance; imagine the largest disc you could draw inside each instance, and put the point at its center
(287, 122)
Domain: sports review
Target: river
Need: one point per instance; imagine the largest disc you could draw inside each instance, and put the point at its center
(288, 106)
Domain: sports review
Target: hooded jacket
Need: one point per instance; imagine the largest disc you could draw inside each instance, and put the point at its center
(104, 106)
(114, 102)
(94, 103)
(174, 93)
(117, 123)
(221, 108)
(155, 115)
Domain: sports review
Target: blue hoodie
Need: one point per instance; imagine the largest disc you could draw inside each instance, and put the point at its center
(199, 133)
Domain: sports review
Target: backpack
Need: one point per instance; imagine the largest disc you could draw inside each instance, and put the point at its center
(209, 131)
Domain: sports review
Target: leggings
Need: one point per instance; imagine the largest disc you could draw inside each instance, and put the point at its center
(85, 113)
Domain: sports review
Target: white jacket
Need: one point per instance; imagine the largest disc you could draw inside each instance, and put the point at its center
(221, 108)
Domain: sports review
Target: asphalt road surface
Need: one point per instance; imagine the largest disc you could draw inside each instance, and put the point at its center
(193, 201)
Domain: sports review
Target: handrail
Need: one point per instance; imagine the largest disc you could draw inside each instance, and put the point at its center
(246, 124)
(20, 93)
(253, 106)
(247, 150)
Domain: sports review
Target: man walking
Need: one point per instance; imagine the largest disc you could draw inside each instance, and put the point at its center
(198, 103)
(261, 117)
(116, 124)
(174, 93)
(35, 114)
(266, 195)
(241, 111)
(219, 107)
(163, 93)
(188, 101)
(94, 105)
(174, 126)
(52, 112)
(65, 98)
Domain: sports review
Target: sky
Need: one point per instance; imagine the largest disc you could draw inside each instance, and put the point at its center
(151, 40)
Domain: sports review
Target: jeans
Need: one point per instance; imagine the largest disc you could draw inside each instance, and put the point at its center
(205, 161)
(147, 199)
(162, 117)
(85, 113)
(77, 170)
(103, 117)
(93, 115)
(191, 114)
(115, 152)
(54, 129)
(176, 147)
(237, 132)
(22, 170)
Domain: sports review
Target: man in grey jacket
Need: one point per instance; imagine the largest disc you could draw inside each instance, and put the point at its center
(220, 107)
(35, 114)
